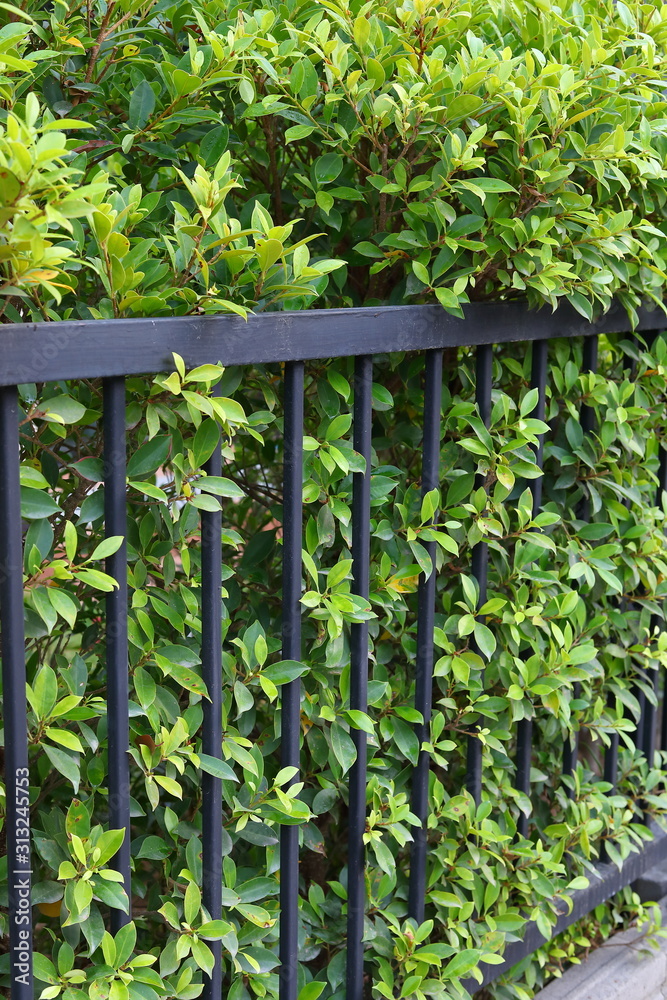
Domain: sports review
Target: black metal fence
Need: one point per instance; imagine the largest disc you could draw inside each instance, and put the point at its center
(112, 350)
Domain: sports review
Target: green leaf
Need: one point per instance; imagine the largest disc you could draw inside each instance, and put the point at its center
(529, 402)
(214, 930)
(230, 409)
(461, 964)
(268, 252)
(90, 468)
(463, 106)
(460, 489)
(297, 132)
(144, 684)
(142, 105)
(422, 273)
(185, 676)
(36, 504)
(125, 941)
(109, 843)
(205, 502)
(338, 427)
(344, 749)
(149, 490)
(148, 458)
(65, 738)
(328, 167)
(153, 848)
(107, 547)
(449, 300)
(169, 785)
(192, 902)
(179, 654)
(204, 373)
(595, 531)
(185, 83)
(376, 73)
(311, 991)
(64, 409)
(44, 970)
(66, 765)
(485, 640)
(341, 571)
(325, 201)
(359, 720)
(285, 671)
(33, 478)
(220, 486)
(44, 693)
(406, 740)
(213, 145)
(97, 580)
(203, 956)
(71, 540)
(369, 250)
(247, 91)
(361, 31)
(218, 768)
(205, 442)
(111, 893)
(470, 591)
(382, 399)
(493, 185)
(46, 892)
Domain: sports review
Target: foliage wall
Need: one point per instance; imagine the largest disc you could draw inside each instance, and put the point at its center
(162, 158)
(569, 603)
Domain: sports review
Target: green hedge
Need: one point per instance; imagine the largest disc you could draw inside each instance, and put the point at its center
(382, 153)
(461, 151)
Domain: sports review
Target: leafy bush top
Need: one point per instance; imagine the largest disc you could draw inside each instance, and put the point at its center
(470, 150)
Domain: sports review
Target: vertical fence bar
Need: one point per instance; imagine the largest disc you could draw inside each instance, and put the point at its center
(649, 714)
(590, 364)
(647, 721)
(361, 539)
(571, 748)
(290, 725)
(524, 740)
(587, 422)
(610, 769)
(211, 657)
(115, 521)
(610, 765)
(425, 624)
(14, 701)
(480, 554)
(538, 380)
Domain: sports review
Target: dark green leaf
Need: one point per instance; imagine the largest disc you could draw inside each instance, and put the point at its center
(142, 104)
(148, 458)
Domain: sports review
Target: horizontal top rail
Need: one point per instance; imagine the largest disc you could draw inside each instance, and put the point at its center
(39, 352)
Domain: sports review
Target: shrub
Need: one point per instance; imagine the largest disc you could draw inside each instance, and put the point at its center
(465, 151)
(161, 158)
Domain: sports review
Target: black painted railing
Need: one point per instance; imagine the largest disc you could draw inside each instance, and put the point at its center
(112, 350)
